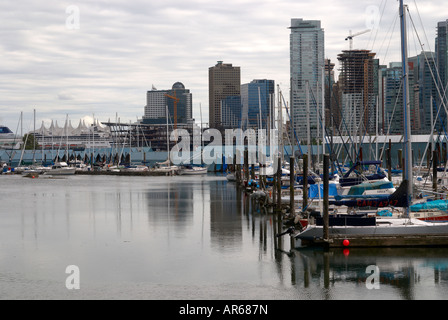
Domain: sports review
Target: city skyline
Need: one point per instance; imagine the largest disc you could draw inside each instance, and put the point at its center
(86, 59)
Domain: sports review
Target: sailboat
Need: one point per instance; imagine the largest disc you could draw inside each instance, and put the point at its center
(367, 230)
(166, 166)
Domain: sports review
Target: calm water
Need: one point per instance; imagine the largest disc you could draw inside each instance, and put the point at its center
(180, 238)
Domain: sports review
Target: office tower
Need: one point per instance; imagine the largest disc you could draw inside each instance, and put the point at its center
(306, 66)
(424, 66)
(224, 80)
(442, 54)
(256, 96)
(231, 112)
(359, 84)
(393, 97)
(179, 103)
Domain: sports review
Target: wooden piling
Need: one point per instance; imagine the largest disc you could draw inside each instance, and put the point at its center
(434, 170)
(246, 165)
(326, 217)
(291, 187)
(305, 182)
(279, 184)
(389, 164)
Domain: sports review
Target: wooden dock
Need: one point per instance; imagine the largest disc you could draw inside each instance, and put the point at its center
(365, 241)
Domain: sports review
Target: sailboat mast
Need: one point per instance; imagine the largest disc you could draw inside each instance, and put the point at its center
(406, 106)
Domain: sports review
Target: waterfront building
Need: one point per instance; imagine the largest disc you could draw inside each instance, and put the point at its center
(83, 137)
(257, 96)
(179, 101)
(306, 66)
(224, 80)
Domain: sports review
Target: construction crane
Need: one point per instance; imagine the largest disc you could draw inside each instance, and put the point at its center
(351, 36)
(176, 100)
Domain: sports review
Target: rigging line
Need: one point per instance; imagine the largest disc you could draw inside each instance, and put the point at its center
(421, 23)
(377, 28)
(427, 145)
(391, 32)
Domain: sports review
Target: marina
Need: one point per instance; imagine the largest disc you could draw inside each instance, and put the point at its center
(339, 191)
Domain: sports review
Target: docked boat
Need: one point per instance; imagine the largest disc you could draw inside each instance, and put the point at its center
(61, 168)
(192, 170)
(135, 168)
(165, 167)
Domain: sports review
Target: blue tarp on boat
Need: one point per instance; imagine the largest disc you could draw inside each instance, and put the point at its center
(313, 190)
(435, 204)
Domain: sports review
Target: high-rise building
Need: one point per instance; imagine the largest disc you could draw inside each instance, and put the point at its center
(359, 84)
(306, 66)
(442, 53)
(157, 102)
(224, 80)
(424, 67)
(257, 96)
(231, 112)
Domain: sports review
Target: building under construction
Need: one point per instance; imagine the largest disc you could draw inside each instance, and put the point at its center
(359, 85)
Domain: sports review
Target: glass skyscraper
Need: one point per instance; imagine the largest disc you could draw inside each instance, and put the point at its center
(306, 65)
(256, 96)
(442, 53)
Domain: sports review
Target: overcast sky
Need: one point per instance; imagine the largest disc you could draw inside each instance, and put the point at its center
(85, 58)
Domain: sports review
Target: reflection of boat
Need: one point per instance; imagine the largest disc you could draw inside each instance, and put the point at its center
(231, 176)
(61, 168)
(192, 170)
(394, 267)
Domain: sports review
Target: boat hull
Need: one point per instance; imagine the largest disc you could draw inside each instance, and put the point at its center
(386, 232)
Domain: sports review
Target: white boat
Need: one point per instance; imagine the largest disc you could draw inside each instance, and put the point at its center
(356, 226)
(165, 167)
(192, 170)
(135, 168)
(61, 168)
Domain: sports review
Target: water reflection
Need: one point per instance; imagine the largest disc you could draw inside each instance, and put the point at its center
(201, 232)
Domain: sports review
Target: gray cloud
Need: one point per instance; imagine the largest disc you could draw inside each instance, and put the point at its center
(123, 47)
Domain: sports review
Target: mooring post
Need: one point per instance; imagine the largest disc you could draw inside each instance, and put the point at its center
(389, 165)
(279, 184)
(246, 165)
(326, 217)
(291, 186)
(434, 171)
(305, 182)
